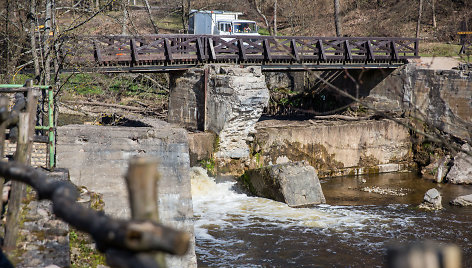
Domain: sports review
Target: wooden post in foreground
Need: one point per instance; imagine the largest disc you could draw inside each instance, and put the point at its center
(141, 179)
(3, 126)
(425, 254)
(26, 123)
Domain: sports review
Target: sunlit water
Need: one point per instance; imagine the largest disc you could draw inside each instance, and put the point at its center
(353, 229)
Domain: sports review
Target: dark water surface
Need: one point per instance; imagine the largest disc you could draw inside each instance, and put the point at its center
(353, 229)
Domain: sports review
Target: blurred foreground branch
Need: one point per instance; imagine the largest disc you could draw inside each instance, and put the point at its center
(109, 234)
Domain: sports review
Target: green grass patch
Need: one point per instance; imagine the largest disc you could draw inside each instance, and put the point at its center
(439, 50)
(85, 84)
(172, 23)
(83, 255)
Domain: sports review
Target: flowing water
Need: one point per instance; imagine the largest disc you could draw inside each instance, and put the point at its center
(353, 229)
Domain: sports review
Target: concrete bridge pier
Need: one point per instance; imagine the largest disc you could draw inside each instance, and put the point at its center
(227, 100)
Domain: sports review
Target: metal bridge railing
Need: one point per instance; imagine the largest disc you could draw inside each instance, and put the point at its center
(193, 49)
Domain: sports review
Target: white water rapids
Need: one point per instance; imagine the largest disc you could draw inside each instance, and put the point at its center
(230, 227)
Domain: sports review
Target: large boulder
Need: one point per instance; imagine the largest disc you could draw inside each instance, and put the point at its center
(437, 170)
(432, 200)
(294, 183)
(464, 200)
(461, 171)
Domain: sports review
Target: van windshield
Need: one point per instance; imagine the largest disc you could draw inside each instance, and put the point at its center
(244, 27)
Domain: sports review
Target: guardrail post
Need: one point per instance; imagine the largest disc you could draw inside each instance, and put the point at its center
(168, 50)
(242, 50)
(370, 52)
(211, 50)
(200, 51)
(97, 52)
(267, 55)
(134, 51)
(347, 51)
(3, 126)
(293, 46)
(24, 146)
(394, 52)
(321, 51)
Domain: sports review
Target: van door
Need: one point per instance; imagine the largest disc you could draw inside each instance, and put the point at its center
(224, 28)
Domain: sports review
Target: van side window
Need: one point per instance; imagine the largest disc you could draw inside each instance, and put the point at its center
(191, 24)
(224, 27)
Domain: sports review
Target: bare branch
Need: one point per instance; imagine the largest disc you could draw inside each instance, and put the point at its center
(108, 233)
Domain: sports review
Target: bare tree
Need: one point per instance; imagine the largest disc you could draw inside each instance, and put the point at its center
(433, 7)
(124, 7)
(32, 32)
(418, 23)
(275, 17)
(148, 9)
(185, 13)
(337, 22)
(258, 6)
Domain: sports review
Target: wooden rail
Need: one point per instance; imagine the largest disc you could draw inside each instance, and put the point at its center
(168, 50)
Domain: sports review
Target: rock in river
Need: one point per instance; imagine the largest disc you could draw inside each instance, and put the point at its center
(295, 183)
(461, 171)
(432, 200)
(464, 200)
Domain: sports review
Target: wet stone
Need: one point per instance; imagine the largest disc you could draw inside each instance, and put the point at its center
(295, 184)
(432, 200)
(464, 200)
(461, 171)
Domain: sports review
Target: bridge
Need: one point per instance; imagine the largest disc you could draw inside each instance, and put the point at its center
(164, 53)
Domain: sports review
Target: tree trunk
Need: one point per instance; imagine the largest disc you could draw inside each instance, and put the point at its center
(337, 22)
(148, 9)
(259, 12)
(433, 6)
(124, 29)
(32, 31)
(275, 17)
(418, 23)
(7, 42)
(47, 45)
(185, 14)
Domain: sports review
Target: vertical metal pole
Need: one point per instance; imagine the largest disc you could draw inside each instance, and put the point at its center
(51, 142)
(205, 92)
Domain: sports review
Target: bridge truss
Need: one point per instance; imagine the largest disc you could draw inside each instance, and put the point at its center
(174, 52)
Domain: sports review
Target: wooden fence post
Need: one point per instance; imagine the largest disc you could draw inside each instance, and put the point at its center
(141, 179)
(3, 126)
(24, 146)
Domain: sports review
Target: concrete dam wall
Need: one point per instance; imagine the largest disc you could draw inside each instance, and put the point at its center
(97, 157)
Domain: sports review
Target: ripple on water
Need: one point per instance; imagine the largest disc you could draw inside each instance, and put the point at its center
(237, 230)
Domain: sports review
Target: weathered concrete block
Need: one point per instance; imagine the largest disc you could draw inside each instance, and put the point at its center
(187, 99)
(296, 184)
(236, 98)
(201, 146)
(97, 157)
(335, 148)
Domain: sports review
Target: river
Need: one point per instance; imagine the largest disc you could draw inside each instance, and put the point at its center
(353, 229)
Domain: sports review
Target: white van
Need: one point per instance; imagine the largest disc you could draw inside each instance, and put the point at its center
(220, 23)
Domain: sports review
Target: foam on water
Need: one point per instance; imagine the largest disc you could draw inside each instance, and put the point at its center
(217, 206)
